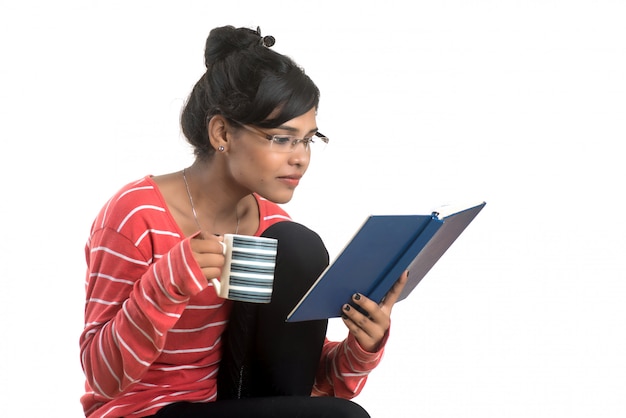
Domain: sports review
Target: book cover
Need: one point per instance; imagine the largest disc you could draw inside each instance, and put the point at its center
(383, 247)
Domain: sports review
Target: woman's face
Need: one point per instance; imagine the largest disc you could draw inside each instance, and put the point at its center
(259, 167)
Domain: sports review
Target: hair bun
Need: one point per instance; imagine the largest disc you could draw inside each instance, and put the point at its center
(226, 40)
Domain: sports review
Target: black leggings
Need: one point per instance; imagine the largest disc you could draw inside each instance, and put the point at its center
(268, 365)
(267, 407)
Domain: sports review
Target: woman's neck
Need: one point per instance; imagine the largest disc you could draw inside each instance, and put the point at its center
(218, 205)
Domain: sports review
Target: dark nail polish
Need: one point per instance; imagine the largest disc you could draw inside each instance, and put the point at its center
(346, 308)
(357, 296)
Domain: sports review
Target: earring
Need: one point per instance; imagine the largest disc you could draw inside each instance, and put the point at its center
(220, 148)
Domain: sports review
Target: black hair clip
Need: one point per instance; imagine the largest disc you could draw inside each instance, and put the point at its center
(266, 41)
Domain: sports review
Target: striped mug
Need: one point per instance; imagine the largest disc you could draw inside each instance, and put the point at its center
(248, 272)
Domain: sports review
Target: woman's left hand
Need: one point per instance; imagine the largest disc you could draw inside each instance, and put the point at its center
(370, 328)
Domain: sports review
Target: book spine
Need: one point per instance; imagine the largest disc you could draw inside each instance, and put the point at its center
(405, 260)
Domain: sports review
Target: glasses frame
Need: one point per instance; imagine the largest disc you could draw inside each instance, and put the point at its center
(294, 142)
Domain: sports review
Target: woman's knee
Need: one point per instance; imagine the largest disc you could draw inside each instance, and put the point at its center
(298, 243)
(301, 255)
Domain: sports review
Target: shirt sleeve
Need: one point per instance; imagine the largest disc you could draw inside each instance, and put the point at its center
(131, 304)
(344, 368)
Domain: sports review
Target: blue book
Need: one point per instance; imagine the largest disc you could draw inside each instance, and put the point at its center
(381, 250)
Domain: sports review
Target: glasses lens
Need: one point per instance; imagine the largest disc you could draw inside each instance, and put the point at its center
(288, 143)
(318, 142)
(282, 143)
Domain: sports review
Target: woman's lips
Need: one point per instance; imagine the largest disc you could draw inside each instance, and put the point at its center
(292, 181)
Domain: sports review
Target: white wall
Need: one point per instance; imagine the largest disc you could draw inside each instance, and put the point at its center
(519, 103)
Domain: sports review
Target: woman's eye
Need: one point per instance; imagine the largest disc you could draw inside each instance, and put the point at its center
(282, 140)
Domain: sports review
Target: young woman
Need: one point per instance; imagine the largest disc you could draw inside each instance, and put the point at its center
(158, 341)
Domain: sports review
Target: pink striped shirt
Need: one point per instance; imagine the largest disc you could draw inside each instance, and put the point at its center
(153, 329)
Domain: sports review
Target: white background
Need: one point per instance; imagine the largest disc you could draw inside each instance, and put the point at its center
(519, 103)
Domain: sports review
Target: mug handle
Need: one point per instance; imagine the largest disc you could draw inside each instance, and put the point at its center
(217, 285)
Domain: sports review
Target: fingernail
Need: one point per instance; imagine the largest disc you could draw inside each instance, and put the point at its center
(346, 308)
(357, 296)
(344, 316)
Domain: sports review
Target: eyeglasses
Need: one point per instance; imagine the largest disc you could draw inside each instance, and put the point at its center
(287, 143)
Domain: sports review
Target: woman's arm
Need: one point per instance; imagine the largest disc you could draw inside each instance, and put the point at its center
(131, 304)
(345, 365)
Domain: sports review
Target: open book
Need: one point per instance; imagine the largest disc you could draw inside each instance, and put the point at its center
(381, 250)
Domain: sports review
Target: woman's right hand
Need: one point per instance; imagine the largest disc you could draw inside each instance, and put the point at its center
(208, 252)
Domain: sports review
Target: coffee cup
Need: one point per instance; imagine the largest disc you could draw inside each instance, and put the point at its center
(248, 272)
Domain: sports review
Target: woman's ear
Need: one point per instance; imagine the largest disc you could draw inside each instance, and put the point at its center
(218, 130)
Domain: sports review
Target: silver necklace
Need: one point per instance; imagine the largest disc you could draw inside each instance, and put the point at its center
(193, 208)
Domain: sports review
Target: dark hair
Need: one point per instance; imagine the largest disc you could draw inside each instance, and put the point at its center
(245, 81)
